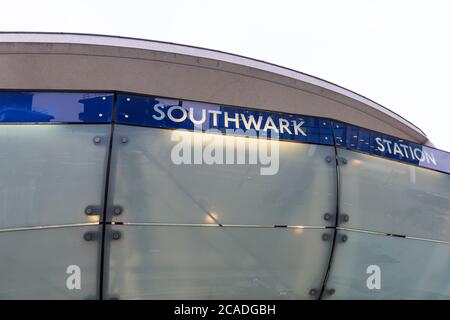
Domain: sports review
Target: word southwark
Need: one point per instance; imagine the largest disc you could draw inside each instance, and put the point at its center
(234, 120)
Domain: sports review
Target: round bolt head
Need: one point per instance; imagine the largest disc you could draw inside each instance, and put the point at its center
(344, 238)
(313, 292)
(344, 161)
(124, 140)
(88, 210)
(328, 159)
(345, 218)
(325, 237)
(117, 210)
(88, 236)
(327, 216)
(331, 291)
(116, 235)
(97, 139)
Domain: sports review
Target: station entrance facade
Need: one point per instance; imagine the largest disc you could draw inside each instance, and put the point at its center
(104, 196)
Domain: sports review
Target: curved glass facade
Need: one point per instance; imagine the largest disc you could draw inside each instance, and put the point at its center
(101, 198)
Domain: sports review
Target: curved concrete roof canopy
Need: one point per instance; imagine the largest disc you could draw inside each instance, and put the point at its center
(45, 61)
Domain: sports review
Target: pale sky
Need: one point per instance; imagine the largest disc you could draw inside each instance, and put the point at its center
(396, 53)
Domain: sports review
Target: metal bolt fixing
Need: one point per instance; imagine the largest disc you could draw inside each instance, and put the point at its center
(116, 235)
(97, 140)
(88, 236)
(117, 211)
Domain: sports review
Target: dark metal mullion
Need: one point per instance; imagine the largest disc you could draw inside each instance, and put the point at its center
(103, 222)
(336, 222)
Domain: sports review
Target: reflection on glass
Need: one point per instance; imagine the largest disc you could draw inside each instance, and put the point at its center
(55, 107)
(211, 217)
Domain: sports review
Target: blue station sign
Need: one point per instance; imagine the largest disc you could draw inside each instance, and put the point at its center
(151, 111)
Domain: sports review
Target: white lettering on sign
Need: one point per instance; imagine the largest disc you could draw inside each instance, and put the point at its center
(230, 120)
(405, 151)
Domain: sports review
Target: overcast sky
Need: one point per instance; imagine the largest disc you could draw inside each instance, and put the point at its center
(396, 53)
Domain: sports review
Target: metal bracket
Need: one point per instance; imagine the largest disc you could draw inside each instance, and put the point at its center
(92, 210)
(341, 160)
(325, 237)
(343, 218)
(117, 210)
(97, 139)
(330, 292)
(328, 216)
(313, 292)
(90, 236)
(116, 235)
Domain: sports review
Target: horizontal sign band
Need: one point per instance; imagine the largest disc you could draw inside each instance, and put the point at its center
(150, 111)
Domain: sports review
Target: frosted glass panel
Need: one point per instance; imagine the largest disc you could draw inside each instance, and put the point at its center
(151, 188)
(50, 173)
(387, 196)
(180, 262)
(409, 269)
(34, 263)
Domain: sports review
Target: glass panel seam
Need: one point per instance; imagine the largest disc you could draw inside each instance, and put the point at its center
(219, 225)
(53, 226)
(392, 235)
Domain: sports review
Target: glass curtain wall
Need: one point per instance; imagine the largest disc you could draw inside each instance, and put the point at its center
(142, 215)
